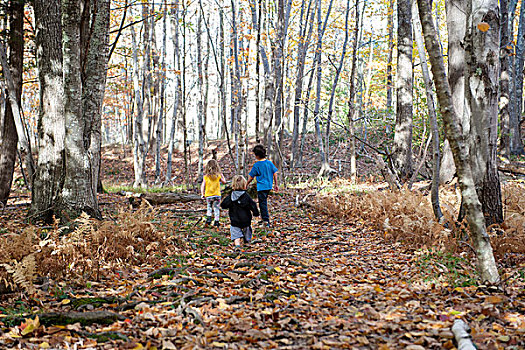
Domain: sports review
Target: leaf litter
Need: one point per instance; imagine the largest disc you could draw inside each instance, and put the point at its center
(147, 279)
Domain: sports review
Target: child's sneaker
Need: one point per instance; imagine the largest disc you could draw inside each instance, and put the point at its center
(216, 223)
(208, 220)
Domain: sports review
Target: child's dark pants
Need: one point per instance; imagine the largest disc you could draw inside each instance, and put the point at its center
(263, 204)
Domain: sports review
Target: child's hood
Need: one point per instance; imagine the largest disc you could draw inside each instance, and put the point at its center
(239, 197)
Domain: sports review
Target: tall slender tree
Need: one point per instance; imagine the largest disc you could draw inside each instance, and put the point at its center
(402, 149)
(8, 130)
(482, 61)
(457, 16)
(176, 89)
(432, 115)
(94, 84)
(336, 81)
(485, 257)
(390, 60)
(516, 142)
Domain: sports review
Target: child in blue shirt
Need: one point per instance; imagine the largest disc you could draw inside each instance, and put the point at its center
(266, 174)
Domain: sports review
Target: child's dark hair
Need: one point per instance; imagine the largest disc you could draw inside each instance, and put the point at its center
(259, 151)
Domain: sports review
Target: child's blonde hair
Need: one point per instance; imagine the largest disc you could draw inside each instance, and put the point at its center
(212, 169)
(238, 183)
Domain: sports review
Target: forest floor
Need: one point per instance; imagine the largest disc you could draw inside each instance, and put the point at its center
(159, 278)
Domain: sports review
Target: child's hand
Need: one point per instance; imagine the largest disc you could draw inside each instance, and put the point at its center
(202, 197)
(276, 188)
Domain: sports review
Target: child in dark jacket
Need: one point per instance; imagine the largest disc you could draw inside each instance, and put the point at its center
(240, 208)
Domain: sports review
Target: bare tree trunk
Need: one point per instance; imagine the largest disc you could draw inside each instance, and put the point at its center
(390, 63)
(176, 90)
(51, 129)
(506, 50)
(321, 27)
(432, 116)
(162, 110)
(77, 193)
(236, 87)
(184, 102)
(200, 102)
(301, 58)
(351, 93)
(486, 262)
(8, 149)
(278, 82)
(516, 143)
(222, 87)
(457, 17)
(93, 86)
(336, 81)
(258, 73)
(9, 127)
(402, 148)
(306, 104)
(482, 94)
(139, 144)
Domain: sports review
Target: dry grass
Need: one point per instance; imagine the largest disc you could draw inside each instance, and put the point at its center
(407, 216)
(89, 251)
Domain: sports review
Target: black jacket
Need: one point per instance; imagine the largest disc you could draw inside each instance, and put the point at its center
(240, 208)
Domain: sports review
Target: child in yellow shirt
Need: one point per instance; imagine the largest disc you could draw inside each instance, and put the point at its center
(211, 190)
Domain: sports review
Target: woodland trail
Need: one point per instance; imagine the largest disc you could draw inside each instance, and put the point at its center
(310, 282)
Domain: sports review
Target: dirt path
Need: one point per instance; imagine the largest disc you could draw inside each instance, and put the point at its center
(310, 282)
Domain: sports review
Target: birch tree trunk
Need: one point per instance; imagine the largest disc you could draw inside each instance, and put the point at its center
(457, 16)
(402, 148)
(51, 128)
(351, 93)
(432, 116)
(162, 110)
(516, 143)
(94, 85)
(139, 144)
(506, 50)
(77, 193)
(236, 88)
(176, 90)
(200, 103)
(257, 71)
(486, 262)
(482, 53)
(389, 78)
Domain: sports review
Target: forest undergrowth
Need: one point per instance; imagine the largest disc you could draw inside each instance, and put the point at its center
(151, 278)
(344, 266)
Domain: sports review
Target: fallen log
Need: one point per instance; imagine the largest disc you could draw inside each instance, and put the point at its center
(511, 168)
(135, 199)
(65, 318)
(169, 198)
(462, 335)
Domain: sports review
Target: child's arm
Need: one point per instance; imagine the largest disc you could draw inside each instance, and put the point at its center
(276, 186)
(226, 202)
(223, 180)
(253, 207)
(203, 188)
(250, 179)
